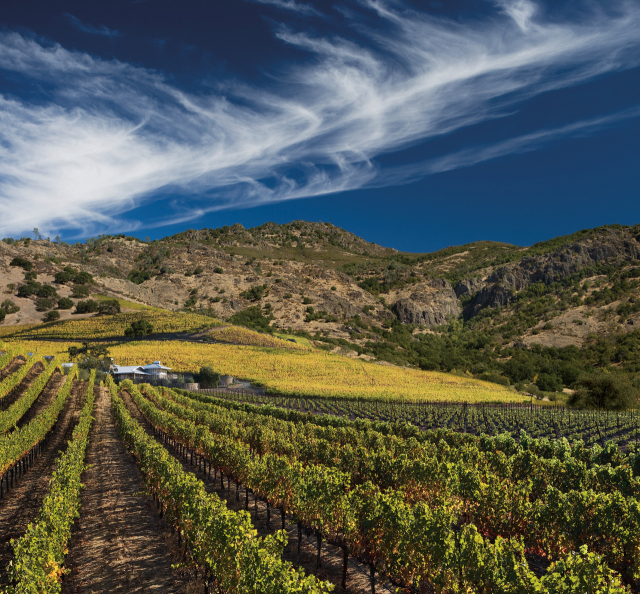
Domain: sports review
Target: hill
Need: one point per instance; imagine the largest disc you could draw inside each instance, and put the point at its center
(543, 313)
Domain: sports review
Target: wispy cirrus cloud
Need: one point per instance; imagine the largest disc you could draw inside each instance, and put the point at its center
(87, 28)
(111, 136)
(306, 9)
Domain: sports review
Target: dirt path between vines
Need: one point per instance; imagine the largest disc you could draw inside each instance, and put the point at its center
(11, 367)
(120, 543)
(56, 381)
(22, 503)
(332, 557)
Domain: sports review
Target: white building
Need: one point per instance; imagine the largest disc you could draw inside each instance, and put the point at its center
(153, 371)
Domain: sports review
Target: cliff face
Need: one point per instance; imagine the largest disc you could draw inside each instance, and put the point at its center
(430, 306)
(607, 246)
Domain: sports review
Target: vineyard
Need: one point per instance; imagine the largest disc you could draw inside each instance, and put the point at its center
(593, 427)
(315, 373)
(162, 321)
(244, 336)
(279, 494)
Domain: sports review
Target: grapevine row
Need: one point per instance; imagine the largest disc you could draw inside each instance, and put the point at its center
(8, 383)
(18, 446)
(14, 413)
(417, 544)
(390, 461)
(39, 554)
(553, 522)
(6, 358)
(221, 541)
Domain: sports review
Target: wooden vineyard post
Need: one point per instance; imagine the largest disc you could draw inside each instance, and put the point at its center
(372, 577)
(345, 561)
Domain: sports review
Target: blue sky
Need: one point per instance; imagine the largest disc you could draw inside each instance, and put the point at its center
(413, 124)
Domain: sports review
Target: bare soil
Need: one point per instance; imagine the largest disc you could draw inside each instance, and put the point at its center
(21, 504)
(56, 381)
(120, 543)
(11, 367)
(331, 566)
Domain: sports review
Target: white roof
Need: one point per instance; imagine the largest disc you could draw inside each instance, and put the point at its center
(155, 365)
(131, 369)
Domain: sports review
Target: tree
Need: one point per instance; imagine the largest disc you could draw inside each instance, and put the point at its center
(109, 307)
(22, 262)
(36, 233)
(9, 307)
(44, 304)
(80, 291)
(549, 382)
(51, 316)
(46, 291)
(139, 329)
(604, 390)
(253, 318)
(62, 277)
(92, 356)
(88, 306)
(65, 303)
(207, 377)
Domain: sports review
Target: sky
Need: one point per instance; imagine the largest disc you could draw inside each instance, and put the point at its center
(415, 124)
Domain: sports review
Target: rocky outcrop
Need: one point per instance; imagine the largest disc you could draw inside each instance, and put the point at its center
(491, 296)
(430, 306)
(603, 246)
(469, 286)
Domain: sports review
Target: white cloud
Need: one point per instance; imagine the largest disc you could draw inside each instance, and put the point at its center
(111, 137)
(306, 9)
(87, 28)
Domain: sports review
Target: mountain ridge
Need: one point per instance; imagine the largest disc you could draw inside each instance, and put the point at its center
(348, 294)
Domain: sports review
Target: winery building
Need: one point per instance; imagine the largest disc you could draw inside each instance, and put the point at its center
(153, 371)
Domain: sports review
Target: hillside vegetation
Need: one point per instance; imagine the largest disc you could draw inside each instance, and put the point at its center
(539, 316)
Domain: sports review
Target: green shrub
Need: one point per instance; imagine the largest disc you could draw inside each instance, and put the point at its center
(80, 291)
(253, 318)
(88, 306)
(549, 382)
(65, 303)
(44, 304)
(46, 291)
(22, 263)
(109, 307)
(604, 390)
(51, 316)
(207, 377)
(139, 328)
(9, 307)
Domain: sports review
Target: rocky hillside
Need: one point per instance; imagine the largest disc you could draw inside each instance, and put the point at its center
(345, 292)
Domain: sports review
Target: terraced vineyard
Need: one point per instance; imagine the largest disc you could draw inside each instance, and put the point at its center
(233, 497)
